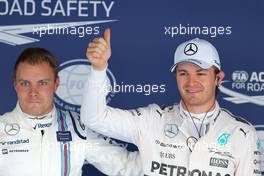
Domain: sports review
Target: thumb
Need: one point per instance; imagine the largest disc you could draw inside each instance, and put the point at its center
(107, 34)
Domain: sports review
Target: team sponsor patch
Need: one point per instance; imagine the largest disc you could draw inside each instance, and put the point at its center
(12, 129)
(42, 125)
(14, 142)
(4, 151)
(64, 136)
(171, 130)
(223, 139)
(218, 162)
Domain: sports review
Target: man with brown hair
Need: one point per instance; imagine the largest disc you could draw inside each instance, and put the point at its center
(195, 137)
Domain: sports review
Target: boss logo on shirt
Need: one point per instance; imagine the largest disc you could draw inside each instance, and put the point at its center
(218, 162)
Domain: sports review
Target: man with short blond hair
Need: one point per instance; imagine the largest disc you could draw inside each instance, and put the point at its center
(37, 138)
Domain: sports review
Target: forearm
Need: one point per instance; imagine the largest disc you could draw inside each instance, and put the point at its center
(101, 118)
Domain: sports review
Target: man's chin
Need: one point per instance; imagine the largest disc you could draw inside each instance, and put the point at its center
(35, 110)
(35, 113)
(192, 101)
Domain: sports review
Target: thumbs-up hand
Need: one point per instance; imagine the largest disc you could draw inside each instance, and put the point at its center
(99, 51)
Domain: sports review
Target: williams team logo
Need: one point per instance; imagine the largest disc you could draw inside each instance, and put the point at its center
(245, 87)
(73, 76)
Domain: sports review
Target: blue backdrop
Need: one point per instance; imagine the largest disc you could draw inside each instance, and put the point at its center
(144, 37)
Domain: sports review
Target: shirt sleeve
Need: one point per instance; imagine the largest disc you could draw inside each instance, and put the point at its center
(250, 156)
(116, 123)
(110, 157)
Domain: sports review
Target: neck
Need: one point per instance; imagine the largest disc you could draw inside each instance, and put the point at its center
(198, 109)
(41, 116)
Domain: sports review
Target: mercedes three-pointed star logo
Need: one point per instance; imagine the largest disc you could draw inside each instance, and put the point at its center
(12, 129)
(190, 49)
(171, 130)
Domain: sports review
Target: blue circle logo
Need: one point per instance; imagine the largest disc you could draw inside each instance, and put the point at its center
(73, 76)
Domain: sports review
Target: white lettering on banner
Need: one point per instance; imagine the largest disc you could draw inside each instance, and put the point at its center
(238, 86)
(242, 81)
(239, 76)
(15, 8)
(255, 87)
(68, 8)
(258, 77)
(56, 8)
(250, 82)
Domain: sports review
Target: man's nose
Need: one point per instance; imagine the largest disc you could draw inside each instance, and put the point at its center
(192, 79)
(33, 90)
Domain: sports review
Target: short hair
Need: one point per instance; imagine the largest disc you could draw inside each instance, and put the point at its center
(35, 56)
(216, 71)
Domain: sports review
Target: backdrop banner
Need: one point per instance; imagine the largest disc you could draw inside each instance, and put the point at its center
(144, 36)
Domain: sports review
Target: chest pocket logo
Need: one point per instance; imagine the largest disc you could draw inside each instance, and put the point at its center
(12, 129)
(171, 130)
(223, 139)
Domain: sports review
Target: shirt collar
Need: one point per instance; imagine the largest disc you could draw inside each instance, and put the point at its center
(36, 123)
(210, 116)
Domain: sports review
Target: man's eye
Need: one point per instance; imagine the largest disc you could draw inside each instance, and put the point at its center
(43, 83)
(182, 74)
(24, 83)
(201, 74)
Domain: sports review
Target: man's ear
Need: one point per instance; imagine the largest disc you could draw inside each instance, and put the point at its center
(14, 84)
(57, 82)
(219, 77)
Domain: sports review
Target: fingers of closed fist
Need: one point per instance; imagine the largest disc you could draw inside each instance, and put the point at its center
(95, 50)
(100, 41)
(97, 45)
(93, 55)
